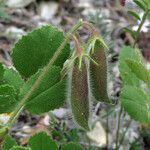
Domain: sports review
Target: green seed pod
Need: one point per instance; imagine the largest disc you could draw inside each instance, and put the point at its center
(98, 72)
(79, 95)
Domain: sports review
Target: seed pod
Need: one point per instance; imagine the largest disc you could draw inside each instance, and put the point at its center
(79, 98)
(99, 72)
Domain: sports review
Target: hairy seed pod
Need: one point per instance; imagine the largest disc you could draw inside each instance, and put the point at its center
(99, 72)
(79, 98)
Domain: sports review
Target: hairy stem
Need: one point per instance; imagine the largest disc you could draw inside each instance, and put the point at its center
(118, 127)
(90, 26)
(35, 86)
(123, 136)
(107, 129)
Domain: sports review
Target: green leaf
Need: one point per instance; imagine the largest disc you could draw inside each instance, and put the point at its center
(73, 146)
(6, 90)
(35, 49)
(1, 71)
(13, 78)
(51, 78)
(49, 95)
(50, 99)
(147, 3)
(7, 98)
(136, 103)
(134, 14)
(8, 143)
(139, 70)
(140, 4)
(42, 141)
(127, 75)
(20, 148)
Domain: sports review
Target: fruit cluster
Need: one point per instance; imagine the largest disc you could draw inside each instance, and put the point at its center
(87, 77)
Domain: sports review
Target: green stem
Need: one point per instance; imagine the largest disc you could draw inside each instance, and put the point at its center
(140, 27)
(118, 127)
(13, 120)
(123, 136)
(35, 86)
(107, 129)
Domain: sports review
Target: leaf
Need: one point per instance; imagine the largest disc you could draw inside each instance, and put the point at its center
(139, 70)
(51, 99)
(42, 141)
(46, 97)
(8, 143)
(134, 14)
(7, 98)
(72, 146)
(140, 4)
(34, 50)
(127, 75)
(13, 78)
(20, 148)
(1, 71)
(6, 90)
(147, 3)
(136, 103)
(50, 79)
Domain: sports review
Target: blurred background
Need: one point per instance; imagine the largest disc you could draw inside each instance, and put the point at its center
(17, 17)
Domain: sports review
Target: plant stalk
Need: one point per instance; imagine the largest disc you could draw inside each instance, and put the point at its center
(118, 127)
(35, 86)
(107, 129)
(123, 136)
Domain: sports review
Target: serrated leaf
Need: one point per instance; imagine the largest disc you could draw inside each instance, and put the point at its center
(139, 70)
(34, 50)
(1, 71)
(46, 97)
(136, 103)
(13, 78)
(140, 4)
(127, 75)
(51, 78)
(73, 146)
(134, 14)
(42, 141)
(7, 98)
(8, 143)
(51, 99)
(20, 148)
